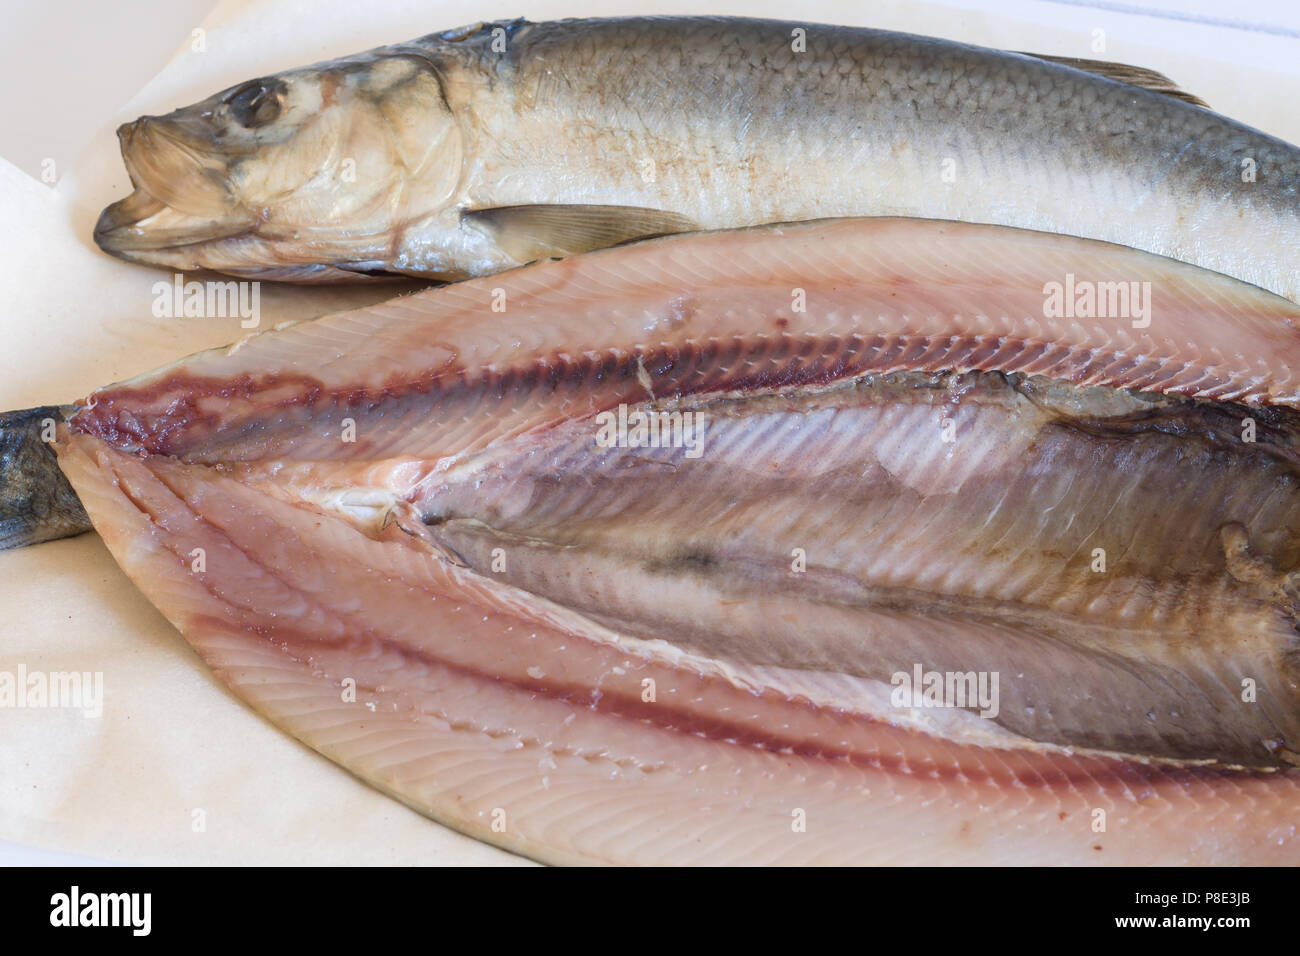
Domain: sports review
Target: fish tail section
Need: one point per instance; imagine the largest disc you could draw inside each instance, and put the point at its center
(36, 502)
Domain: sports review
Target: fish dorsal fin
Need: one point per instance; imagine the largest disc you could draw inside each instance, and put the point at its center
(532, 232)
(1132, 75)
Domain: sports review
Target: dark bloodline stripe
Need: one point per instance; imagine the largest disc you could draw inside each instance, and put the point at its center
(164, 418)
(169, 407)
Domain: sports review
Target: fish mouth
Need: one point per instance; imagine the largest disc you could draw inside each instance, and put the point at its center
(141, 224)
(181, 200)
(182, 213)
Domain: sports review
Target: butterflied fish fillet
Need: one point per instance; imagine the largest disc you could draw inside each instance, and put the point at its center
(437, 541)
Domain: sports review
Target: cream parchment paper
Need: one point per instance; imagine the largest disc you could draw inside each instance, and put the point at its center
(176, 769)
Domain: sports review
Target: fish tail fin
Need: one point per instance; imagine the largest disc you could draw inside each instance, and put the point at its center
(36, 502)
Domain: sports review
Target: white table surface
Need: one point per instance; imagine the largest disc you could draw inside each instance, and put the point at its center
(124, 788)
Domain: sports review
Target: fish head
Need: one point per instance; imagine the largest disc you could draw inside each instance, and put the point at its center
(310, 174)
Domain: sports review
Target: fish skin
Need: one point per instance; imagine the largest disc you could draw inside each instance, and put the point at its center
(714, 121)
(36, 502)
(479, 702)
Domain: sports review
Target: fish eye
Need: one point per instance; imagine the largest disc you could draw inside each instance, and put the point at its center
(256, 102)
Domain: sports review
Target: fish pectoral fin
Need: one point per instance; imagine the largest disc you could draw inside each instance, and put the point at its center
(1138, 76)
(526, 233)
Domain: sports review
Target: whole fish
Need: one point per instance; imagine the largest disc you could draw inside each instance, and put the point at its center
(467, 152)
(854, 541)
